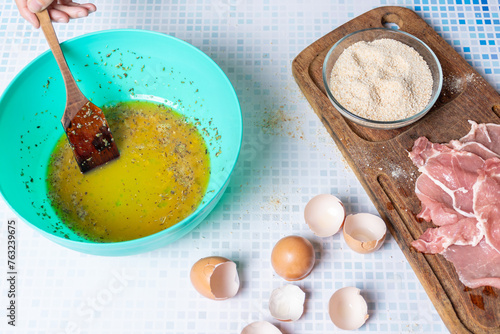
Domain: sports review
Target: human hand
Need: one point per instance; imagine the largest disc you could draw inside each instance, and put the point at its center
(59, 10)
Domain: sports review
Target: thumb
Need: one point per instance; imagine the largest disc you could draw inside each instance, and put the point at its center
(38, 5)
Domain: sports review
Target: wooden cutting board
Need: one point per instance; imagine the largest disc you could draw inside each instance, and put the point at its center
(379, 158)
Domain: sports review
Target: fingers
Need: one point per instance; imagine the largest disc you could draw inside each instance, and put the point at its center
(38, 5)
(72, 12)
(60, 11)
(58, 16)
(89, 6)
(27, 14)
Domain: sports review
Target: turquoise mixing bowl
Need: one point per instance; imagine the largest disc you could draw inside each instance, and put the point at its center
(113, 66)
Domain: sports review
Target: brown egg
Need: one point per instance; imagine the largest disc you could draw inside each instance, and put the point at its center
(215, 277)
(293, 258)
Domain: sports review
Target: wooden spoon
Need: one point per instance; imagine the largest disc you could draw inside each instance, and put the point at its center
(85, 125)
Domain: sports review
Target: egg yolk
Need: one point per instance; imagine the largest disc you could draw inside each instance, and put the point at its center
(160, 178)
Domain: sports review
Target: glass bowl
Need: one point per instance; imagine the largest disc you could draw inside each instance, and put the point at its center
(369, 35)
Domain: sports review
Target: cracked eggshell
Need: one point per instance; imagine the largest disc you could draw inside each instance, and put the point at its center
(260, 327)
(324, 214)
(348, 309)
(364, 233)
(293, 257)
(287, 303)
(215, 277)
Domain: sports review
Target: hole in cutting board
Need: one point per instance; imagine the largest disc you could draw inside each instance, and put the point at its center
(392, 21)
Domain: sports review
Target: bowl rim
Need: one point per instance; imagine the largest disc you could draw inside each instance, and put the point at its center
(383, 125)
(185, 223)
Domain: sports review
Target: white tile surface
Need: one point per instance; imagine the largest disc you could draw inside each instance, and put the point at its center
(287, 158)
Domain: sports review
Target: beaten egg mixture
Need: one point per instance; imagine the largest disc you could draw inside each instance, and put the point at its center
(160, 178)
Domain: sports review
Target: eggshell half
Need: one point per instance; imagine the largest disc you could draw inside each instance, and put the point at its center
(348, 309)
(287, 303)
(215, 277)
(364, 233)
(293, 257)
(324, 214)
(260, 327)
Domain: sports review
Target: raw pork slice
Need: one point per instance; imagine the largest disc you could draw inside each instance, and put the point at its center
(436, 240)
(459, 189)
(437, 205)
(486, 201)
(476, 266)
(486, 134)
(423, 150)
(455, 172)
(483, 140)
(474, 147)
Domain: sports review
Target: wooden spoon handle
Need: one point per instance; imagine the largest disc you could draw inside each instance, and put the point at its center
(73, 93)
